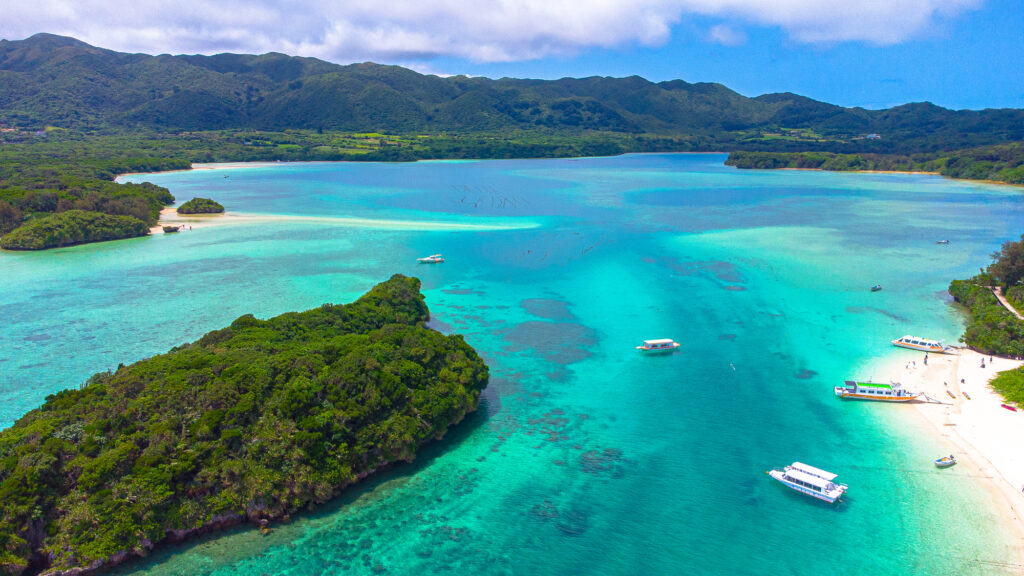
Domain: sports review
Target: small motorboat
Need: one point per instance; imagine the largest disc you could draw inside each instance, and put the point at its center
(432, 259)
(942, 241)
(876, 287)
(945, 461)
(1008, 407)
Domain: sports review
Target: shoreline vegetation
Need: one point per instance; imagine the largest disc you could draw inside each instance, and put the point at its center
(76, 172)
(993, 327)
(250, 423)
(1002, 164)
(76, 115)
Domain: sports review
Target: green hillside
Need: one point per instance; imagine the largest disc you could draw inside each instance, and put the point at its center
(49, 80)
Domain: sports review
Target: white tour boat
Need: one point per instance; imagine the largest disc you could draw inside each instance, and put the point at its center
(432, 259)
(922, 344)
(811, 481)
(658, 345)
(875, 391)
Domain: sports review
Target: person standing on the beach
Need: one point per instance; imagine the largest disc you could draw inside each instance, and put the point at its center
(925, 358)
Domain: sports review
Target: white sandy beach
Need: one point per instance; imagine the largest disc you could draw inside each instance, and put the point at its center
(985, 437)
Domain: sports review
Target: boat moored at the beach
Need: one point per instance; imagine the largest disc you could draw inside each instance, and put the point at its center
(658, 345)
(811, 481)
(922, 344)
(852, 390)
(945, 461)
(1008, 407)
(432, 259)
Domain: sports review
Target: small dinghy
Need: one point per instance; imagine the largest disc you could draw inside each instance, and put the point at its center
(876, 287)
(945, 461)
(1008, 407)
(966, 395)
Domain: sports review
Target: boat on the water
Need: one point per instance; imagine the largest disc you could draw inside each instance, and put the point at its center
(945, 461)
(811, 481)
(1008, 407)
(922, 344)
(894, 392)
(658, 345)
(432, 259)
(942, 241)
(876, 287)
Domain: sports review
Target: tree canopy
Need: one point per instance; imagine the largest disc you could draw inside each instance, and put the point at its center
(253, 421)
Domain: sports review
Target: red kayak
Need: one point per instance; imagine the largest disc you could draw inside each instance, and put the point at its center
(1008, 407)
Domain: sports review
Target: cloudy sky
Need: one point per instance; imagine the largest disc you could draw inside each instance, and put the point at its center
(871, 53)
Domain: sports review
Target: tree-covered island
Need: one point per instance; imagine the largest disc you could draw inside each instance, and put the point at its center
(201, 206)
(252, 422)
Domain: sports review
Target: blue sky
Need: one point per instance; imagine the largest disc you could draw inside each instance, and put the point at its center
(870, 53)
(975, 61)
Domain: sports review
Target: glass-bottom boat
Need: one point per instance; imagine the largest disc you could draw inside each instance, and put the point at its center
(875, 391)
(811, 481)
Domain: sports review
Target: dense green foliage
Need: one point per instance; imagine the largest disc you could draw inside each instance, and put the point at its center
(57, 81)
(107, 113)
(991, 329)
(1007, 266)
(1011, 385)
(257, 420)
(200, 206)
(43, 176)
(70, 228)
(1001, 163)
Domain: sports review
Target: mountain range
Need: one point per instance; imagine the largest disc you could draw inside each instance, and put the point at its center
(49, 80)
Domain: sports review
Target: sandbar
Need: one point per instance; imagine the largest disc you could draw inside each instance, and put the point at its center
(171, 217)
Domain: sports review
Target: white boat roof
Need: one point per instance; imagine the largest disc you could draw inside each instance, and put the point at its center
(661, 341)
(797, 474)
(814, 471)
(918, 338)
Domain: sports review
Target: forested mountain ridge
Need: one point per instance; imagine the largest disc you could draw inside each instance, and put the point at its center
(59, 81)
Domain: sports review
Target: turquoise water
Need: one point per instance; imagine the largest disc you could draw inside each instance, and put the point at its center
(585, 456)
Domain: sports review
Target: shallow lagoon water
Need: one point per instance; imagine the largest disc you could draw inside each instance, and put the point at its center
(585, 456)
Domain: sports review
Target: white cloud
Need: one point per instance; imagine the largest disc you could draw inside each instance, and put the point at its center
(727, 35)
(417, 30)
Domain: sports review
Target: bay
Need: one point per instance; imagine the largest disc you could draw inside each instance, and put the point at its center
(585, 456)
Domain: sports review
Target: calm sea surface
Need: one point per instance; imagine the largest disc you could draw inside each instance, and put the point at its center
(585, 456)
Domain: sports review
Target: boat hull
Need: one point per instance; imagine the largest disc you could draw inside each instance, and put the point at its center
(666, 349)
(936, 350)
(853, 396)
